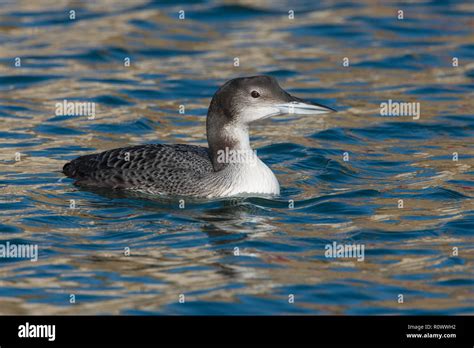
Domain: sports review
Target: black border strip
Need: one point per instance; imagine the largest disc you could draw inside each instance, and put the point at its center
(332, 330)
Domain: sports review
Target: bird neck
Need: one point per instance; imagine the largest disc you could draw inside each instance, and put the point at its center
(229, 143)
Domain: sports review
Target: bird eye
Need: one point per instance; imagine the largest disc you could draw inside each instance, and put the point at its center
(255, 94)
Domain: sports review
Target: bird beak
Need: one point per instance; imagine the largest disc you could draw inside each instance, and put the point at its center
(298, 106)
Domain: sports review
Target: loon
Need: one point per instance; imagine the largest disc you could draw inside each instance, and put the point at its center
(229, 167)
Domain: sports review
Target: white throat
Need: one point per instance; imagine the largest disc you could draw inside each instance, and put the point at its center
(244, 173)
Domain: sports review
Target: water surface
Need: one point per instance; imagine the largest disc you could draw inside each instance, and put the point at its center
(241, 256)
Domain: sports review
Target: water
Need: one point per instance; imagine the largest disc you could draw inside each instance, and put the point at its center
(409, 251)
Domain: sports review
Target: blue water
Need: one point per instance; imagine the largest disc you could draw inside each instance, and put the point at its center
(252, 255)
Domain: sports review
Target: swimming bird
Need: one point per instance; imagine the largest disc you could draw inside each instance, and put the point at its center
(228, 167)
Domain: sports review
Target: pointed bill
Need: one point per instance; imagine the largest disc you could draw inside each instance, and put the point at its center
(300, 107)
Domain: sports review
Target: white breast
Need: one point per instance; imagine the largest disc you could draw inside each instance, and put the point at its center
(251, 178)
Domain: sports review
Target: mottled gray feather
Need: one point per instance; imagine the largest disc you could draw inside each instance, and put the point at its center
(156, 168)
